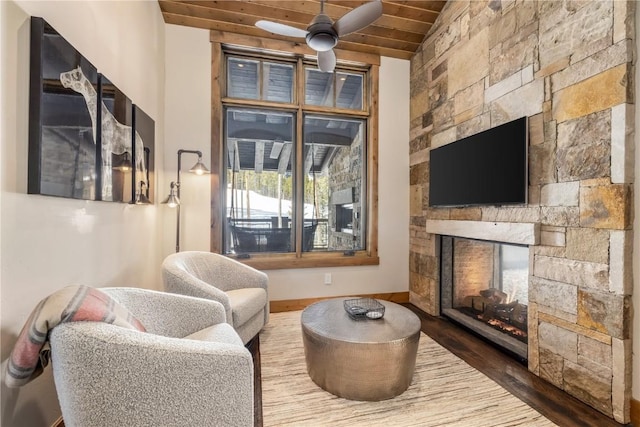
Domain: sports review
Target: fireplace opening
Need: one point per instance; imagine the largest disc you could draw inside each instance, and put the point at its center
(484, 286)
(344, 218)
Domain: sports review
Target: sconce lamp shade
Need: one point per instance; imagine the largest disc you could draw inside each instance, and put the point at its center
(199, 168)
(172, 200)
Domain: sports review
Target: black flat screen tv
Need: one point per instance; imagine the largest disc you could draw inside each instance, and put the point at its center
(489, 168)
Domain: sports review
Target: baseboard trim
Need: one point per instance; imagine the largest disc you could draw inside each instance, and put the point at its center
(635, 412)
(299, 304)
(58, 423)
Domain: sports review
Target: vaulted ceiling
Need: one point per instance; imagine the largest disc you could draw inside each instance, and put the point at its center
(253, 138)
(398, 33)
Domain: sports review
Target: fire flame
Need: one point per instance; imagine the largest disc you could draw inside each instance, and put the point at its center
(506, 327)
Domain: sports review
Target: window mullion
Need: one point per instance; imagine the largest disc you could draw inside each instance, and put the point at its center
(335, 111)
(235, 102)
(260, 80)
(218, 88)
(299, 166)
(335, 90)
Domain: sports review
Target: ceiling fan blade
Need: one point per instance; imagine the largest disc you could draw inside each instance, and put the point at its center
(327, 61)
(358, 18)
(282, 29)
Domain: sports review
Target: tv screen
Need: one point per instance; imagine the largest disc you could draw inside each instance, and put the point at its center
(489, 168)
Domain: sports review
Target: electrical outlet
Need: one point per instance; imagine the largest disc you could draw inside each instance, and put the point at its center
(327, 278)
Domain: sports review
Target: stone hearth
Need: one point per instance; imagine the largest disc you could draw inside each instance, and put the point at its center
(567, 66)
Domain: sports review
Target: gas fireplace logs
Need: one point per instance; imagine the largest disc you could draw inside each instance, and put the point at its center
(492, 306)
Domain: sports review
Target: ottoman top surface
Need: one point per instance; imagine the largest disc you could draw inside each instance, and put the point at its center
(329, 319)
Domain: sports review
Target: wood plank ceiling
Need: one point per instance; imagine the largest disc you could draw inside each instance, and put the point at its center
(398, 33)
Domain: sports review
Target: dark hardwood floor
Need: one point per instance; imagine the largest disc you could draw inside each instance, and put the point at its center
(550, 401)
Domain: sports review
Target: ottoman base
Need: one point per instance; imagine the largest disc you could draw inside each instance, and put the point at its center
(361, 371)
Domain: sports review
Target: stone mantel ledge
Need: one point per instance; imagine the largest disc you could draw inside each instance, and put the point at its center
(520, 233)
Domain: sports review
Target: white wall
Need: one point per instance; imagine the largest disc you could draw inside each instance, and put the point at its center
(188, 126)
(47, 242)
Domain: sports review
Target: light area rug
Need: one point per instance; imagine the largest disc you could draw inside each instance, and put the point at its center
(445, 390)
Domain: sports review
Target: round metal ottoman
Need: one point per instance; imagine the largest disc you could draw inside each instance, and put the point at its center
(360, 359)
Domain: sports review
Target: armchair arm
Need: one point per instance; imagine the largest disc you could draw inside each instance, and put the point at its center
(179, 281)
(110, 376)
(167, 314)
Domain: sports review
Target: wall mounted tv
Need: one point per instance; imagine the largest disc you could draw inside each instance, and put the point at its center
(489, 168)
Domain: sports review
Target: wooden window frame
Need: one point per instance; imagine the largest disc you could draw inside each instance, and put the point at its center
(261, 48)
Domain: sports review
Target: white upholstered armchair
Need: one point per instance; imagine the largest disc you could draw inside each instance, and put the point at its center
(189, 368)
(241, 289)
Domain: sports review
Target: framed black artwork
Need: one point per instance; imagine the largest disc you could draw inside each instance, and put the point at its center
(84, 141)
(62, 117)
(144, 149)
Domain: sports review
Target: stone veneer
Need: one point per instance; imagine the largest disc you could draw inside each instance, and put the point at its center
(567, 65)
(345, 172)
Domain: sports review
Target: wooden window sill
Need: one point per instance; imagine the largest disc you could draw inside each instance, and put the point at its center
(308, 260)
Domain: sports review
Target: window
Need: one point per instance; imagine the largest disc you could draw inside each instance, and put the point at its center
(294, 163)
(260, 80)
(259, 197)
(334, 178)
(339, 89)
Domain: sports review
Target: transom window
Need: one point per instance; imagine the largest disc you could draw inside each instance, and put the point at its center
(338, 89)
(294, 160)
(260, 80)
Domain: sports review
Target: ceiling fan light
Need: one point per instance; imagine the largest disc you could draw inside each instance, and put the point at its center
(321, 36)
(322, 41)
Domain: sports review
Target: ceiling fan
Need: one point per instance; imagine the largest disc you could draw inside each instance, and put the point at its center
(323, 34)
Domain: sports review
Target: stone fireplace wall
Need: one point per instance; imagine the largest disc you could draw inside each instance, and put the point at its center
(345, 175)
(567, 65)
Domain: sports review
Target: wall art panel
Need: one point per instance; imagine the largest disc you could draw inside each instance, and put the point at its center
(62, 116)
(144, 149)
(82, 140)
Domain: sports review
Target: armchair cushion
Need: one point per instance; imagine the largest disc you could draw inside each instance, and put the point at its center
(246, 303)
(222, 333)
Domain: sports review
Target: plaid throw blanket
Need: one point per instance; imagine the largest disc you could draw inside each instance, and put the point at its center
(75, 303)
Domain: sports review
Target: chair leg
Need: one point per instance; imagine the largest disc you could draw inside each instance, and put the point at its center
(254, 348)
